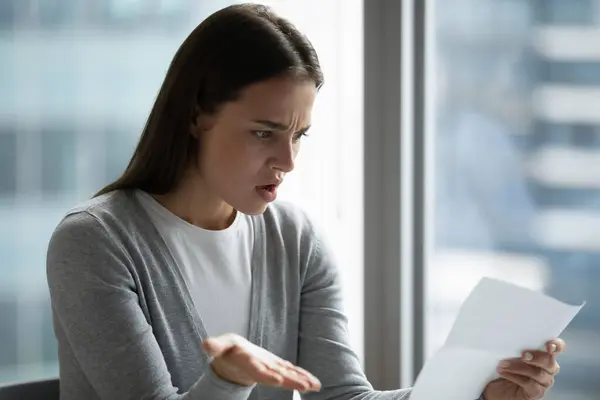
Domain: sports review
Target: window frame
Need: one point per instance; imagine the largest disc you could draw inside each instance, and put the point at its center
(398, 151)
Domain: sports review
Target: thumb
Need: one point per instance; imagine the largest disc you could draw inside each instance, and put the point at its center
(219, 345)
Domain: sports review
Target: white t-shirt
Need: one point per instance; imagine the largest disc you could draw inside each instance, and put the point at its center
(216, 266)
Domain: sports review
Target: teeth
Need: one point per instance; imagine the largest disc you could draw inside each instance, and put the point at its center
(268, 188)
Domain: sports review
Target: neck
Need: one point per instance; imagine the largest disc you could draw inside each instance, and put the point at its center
(193, 202)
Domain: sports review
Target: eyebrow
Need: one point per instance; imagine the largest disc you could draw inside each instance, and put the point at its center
(278, 126)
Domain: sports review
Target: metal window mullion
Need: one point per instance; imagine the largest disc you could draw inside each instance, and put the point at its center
(423, 112)
(382, 159)
(397, 188)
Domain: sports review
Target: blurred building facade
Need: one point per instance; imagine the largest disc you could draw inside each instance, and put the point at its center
(518, 160)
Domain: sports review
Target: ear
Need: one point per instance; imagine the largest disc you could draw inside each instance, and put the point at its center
(200, 122)
(194, 131)
(194, 120)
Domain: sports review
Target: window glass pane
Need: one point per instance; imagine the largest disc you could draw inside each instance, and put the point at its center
(8, 162)
(560, 12)
(8, 332)
(53, 14)
(59, 148)
(120, 147)
(8, 11)
(570, 72)
(516, 161)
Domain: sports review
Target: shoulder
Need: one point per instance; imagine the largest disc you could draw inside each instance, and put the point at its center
(92, 220)
(102, 207)
(109, 210)
(88, 241)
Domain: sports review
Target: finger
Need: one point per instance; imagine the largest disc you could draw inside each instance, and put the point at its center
(556, 346)
(541, 359)
(292, 379)
(270, 374)
(304, 373)
(532, 389)
(251, 366)
(529, 372)
(313, 383)
(260, 373)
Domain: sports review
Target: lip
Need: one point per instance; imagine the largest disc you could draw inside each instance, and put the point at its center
(275, 182)
(267, 195)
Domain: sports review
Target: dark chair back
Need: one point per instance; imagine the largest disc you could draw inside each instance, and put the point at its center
(35, 390)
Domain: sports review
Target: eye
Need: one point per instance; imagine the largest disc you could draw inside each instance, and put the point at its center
(299, 136)
(262, 134)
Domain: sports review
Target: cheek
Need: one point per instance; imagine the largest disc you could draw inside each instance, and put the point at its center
(295, 150)
(215, 154)
(231, 159)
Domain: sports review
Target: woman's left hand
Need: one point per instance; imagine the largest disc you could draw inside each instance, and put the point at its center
(528, 377)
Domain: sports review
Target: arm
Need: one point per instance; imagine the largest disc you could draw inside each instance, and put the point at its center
(94, 301)
(323, 346)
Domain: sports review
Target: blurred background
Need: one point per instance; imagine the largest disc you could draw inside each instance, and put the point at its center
(516, 166)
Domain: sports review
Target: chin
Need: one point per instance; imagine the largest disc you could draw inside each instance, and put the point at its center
(252, 209)
(255, 210)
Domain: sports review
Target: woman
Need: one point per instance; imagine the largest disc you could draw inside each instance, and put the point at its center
(182, 279)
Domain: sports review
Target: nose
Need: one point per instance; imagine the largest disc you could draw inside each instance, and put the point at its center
(285, 158)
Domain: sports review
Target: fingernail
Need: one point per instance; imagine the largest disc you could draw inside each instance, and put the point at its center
(527, 356)
(504, 365)
(553, 348)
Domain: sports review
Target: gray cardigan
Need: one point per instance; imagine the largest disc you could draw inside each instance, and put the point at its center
(127, 328)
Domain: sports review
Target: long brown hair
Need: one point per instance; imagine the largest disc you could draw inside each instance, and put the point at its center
(231, 49)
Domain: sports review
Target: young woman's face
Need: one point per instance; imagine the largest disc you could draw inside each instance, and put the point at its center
(251, 144)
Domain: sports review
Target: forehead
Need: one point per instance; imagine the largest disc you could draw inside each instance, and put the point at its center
(281, 98)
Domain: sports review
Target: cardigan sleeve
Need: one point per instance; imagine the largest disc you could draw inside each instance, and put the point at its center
(323, 347)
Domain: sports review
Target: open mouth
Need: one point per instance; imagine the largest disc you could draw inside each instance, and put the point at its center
(267, 192)
(269, 188)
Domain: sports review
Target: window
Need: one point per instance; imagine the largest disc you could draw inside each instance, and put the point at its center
(117, 157)
(516, 178)
(558, 12)
(8, 332)
(481, 159)
(8, 162)
(59, 152)
(7, 14)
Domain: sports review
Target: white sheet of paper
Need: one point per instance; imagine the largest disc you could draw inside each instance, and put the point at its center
(498, 320)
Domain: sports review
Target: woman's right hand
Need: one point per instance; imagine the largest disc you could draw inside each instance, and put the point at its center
(237, 360)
